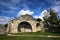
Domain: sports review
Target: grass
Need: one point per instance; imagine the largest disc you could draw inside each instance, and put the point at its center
(5, 37)
(38, 33)
(26, 38)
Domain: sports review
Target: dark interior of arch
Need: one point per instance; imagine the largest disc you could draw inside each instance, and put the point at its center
(24, 25)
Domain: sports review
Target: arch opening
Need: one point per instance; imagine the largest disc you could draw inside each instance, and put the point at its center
(38, 24)
(24, 27)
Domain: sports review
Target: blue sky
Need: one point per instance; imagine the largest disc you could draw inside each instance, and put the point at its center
(12, 8)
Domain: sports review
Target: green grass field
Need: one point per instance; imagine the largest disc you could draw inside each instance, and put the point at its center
(26, 38)
(38, 33)
(31, 37)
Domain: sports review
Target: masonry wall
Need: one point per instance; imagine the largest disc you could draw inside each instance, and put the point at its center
(13, 25)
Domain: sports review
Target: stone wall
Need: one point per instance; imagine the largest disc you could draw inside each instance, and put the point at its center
(13, 25)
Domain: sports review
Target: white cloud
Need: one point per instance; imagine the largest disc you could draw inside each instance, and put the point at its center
(38, 17)
(56, 8)
(4, 19)
(42, 14)
(45, 13)
(57, 2)
(23, 12)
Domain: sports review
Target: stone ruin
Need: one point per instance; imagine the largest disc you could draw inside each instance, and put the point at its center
(25, 23)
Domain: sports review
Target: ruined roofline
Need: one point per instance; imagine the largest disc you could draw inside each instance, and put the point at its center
(23, 16)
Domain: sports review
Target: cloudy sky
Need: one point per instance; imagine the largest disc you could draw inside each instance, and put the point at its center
(12, 8)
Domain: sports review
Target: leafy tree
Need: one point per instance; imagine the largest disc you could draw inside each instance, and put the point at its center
(38, 20)
(52, 21)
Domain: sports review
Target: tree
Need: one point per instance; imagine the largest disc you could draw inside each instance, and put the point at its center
(52, 21)
(38, 20)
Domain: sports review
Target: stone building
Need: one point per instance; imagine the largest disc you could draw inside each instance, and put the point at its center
(25, 23)
(2, 29)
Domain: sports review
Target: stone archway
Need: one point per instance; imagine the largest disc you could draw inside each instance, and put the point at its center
(24, 27)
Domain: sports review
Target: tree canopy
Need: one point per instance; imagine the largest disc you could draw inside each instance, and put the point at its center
(52, 21)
